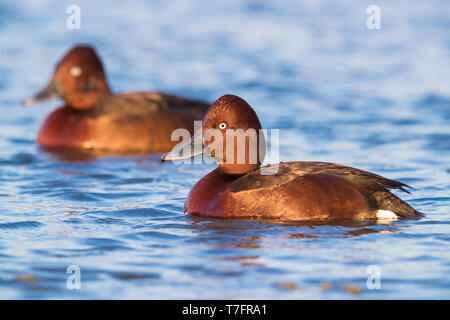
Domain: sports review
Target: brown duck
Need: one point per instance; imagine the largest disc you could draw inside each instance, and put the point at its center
(295, 191)
(95, 118)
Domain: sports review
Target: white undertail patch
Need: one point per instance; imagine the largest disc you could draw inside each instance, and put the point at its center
(386, 215)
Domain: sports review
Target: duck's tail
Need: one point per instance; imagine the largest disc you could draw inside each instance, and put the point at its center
(386, 201)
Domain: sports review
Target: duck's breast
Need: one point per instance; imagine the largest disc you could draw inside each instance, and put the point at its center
(66, 127)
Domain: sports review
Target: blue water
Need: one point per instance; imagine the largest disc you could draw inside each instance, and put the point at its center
(378, 100)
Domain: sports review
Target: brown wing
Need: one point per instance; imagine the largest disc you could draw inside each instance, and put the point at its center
(287, 171)
(376, 185)
(178, 102)
(136, 103)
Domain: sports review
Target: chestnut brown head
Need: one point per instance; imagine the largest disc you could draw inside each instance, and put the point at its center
(231, 133)
(79, 79)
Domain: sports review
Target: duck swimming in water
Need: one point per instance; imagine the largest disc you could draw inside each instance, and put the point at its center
(95, 118)
(295, 191)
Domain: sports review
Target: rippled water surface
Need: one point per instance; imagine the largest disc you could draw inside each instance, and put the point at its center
(378, 100)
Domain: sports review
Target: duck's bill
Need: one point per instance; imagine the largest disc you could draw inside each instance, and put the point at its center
(193, 147)
(49, 92)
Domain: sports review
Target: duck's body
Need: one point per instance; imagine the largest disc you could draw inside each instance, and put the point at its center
(95, 118)
(299, 191)
(127, 122)
(287, 191)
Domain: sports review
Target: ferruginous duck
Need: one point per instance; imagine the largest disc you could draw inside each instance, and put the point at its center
(95, 118)
(294, 191)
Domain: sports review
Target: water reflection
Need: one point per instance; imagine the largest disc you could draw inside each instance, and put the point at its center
(66, 154)
(249, 234)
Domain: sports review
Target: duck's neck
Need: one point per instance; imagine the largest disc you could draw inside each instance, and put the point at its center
(237, 169)
(207, 189)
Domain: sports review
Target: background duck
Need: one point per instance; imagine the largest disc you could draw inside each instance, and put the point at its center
(93, 117)
(296, 190)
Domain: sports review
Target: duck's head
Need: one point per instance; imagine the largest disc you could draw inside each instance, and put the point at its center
(78, 79)
(231, 133)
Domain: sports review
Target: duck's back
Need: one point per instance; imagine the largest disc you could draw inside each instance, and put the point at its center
(142, 103)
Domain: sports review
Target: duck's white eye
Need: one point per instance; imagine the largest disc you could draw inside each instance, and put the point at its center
(75, 71)
(222, 125)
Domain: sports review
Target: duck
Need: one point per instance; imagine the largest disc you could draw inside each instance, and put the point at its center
(297, 191)
(95, 118)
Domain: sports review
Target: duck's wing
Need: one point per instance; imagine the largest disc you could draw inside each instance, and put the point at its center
(172, 101)
(288, 171)
(377, 187)
(147, 102)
